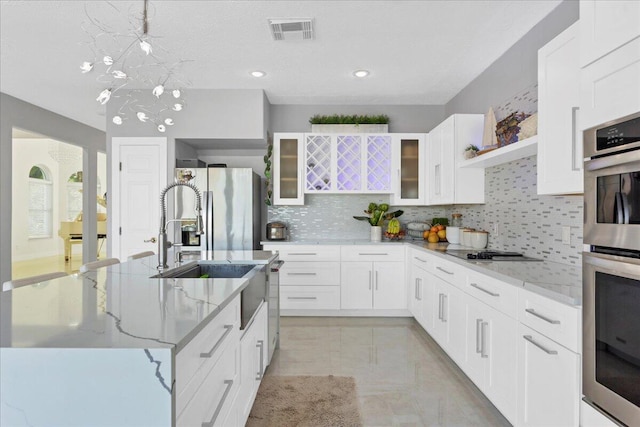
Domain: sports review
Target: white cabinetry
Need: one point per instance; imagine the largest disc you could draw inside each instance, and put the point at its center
(207, 371)
(448, 183)
(409, 166)
(420, 289)
(352, 163)
(548, 362)
(559, 136)
(449, 319)
(373, 278)
(610, 57)
(309, 277)
(253, 362)
(605, 26)
(288, 176)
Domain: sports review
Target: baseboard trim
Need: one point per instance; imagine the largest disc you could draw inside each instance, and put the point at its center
(347, 313)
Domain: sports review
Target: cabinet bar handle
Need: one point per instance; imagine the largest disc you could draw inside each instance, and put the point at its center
(420, 289)
(211, 422)
(478, 322)
(303, 253)
(475, 285)
(228, 328)
(540, 346)
(419, 259)
(443, 270)
(483, 352)
(301, 274)
(362, 253)
(439, 306)
(541, 316)
(370, 279)
(416, 290)
(444, 307)
(302, 297)
(260, 345)
(376, 280)
(575, 164)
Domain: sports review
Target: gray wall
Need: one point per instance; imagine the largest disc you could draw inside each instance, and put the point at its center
(402, 118)
(517, 68)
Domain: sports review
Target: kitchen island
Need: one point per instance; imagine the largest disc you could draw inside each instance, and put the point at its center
(104, 347)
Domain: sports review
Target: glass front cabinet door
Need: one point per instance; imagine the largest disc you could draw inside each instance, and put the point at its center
(409, 169)
(288, 164)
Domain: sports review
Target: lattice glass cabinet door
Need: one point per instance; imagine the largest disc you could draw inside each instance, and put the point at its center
(288, 152)
(318, 176)
(349, 163)
(379, 164)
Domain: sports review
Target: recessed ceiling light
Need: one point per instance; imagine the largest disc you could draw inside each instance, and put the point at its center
(361, 73)
(258, 73)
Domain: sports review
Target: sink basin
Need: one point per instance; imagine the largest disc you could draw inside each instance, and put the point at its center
(200, 270)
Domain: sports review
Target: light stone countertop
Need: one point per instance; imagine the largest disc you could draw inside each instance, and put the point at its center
(556, 281)
(121, 306)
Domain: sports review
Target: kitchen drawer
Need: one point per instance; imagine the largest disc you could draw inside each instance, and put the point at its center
(310, 273)
(310, 297)
(449, 272)
(557, 321)
(308, 252)
(372, 253)
(421, 259)
(218, 334)
(499, 295)
(214, 399)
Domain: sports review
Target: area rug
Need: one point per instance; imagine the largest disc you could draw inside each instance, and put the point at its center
(306, 401)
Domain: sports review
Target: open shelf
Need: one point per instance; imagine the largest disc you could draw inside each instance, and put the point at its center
(517, 150)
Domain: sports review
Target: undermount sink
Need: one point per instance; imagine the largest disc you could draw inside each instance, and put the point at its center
(202, 270)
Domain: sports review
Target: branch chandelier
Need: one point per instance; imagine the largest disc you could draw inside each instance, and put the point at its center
(146, 86)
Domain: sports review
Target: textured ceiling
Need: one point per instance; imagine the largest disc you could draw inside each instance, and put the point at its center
(418, 52)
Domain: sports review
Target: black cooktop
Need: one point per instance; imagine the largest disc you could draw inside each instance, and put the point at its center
(488, 255)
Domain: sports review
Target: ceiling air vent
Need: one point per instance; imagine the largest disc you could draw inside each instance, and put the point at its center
(291, 29)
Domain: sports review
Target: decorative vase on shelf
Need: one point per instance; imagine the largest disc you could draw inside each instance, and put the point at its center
(376, 233)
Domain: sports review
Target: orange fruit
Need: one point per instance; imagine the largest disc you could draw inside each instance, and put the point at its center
(434, 229)
(440, 227)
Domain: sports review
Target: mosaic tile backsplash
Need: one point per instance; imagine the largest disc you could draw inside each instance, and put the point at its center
(526, 222)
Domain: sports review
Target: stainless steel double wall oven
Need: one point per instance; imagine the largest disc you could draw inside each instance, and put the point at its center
(611, 270)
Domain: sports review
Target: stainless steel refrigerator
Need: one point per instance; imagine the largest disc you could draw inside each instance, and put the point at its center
(231, 203)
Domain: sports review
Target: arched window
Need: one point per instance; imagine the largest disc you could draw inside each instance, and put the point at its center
(40, 203)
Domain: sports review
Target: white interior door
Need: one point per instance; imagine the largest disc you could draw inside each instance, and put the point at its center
(139, 171)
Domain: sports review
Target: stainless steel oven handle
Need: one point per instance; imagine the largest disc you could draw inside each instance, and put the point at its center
(619, 209)
(540, 346)
(612, 160)
(625, 208)
(543, 317)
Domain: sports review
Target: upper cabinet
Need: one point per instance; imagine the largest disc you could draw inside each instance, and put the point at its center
(447, 182)
(610, 57)
(409, 170)
(559, 135)
(353, 163)
(288, 161)
(605, 26)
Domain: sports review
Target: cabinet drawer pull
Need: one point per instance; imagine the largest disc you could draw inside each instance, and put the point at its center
(376, 280)
(419, 259)
(541, 316)
(493, 294)
(443, 270)
(260, 345)
(420, 289)
(370, 280)
(302, 297)
(440, 306)
(540, 346)
(228, 328)
(303, 253)
(444, 308)
(478, 323)
(362, 253)
(301, 274)
(211, 422)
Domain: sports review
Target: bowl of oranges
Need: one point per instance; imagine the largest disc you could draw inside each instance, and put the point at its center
(437, 233)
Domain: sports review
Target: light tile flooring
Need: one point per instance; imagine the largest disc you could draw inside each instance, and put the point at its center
(402, 375)
(36, 266)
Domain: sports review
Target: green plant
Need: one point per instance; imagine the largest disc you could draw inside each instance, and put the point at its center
(472, 147)
(267, 172)
(378, 214)
(341, 119)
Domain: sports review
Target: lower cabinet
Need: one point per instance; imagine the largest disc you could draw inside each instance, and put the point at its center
(253, 362)
(491, 355)
(549, 381)
(449, 319)
(373, 285)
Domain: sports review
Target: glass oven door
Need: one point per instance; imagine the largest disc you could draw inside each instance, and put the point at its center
(611, 335)
(612, 201)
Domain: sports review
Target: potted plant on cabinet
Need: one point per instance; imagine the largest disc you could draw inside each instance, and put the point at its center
(350, 123)
(377, 214)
